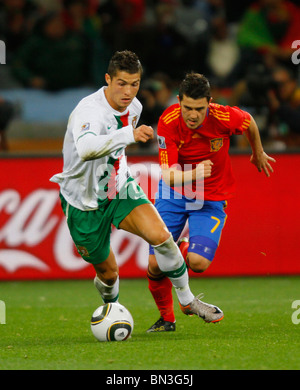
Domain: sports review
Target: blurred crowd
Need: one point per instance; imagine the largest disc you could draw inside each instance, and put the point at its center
(248, 50)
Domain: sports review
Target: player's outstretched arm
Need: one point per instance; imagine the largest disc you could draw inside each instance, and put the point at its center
(176, 177)
(90, 146)
(259, 158)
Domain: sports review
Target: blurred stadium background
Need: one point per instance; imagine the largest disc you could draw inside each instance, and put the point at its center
(57, 52)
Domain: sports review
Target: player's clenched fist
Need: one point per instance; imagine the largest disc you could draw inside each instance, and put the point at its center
(143, 133)
(204, 169)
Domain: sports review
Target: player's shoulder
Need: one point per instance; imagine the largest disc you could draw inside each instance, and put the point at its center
(171, 114)
(223, 113)
(219, 114)
(94, 107)
(89, 101)
(218, 110)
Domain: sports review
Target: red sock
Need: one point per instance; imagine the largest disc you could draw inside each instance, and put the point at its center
(161, 290)
(184, 246)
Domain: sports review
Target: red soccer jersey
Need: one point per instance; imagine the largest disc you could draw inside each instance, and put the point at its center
(180, 145)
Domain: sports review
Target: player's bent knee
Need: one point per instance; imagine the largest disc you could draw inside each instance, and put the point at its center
(201, 253)
(198, 263)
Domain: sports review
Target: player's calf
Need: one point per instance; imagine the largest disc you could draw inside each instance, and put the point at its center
(171, 263)
(107, 279)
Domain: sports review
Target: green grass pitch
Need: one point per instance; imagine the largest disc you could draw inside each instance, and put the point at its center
(48, 327)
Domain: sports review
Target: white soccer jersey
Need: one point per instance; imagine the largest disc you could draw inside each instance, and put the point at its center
(94, 150)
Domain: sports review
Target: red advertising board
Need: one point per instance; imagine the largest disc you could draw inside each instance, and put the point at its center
(260, 237)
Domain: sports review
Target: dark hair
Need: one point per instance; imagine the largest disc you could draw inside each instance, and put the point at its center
(125, 61)
(195, 86)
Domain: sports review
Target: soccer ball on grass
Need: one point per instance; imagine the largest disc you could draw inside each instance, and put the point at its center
(112, 322)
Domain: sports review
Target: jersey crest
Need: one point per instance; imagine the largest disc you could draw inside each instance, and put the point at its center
(216, 144)
(83, 251)
(134, 121)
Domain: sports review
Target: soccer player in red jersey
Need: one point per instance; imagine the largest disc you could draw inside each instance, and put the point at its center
(191, 132)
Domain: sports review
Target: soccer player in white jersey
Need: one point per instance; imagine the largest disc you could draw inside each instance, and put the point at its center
(97, 190)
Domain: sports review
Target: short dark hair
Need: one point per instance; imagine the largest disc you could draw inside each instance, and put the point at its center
(125, 61)
(195, 86)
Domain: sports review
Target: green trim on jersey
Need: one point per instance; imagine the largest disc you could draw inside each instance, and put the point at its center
(88, 132)
(122, 120)
(120, 123)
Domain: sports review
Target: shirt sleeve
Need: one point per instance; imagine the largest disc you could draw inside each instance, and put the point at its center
(239, 120)
(167, 146)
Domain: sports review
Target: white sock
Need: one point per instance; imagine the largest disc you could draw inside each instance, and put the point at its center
(172, 264)
(184, 295)
(108, 293)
